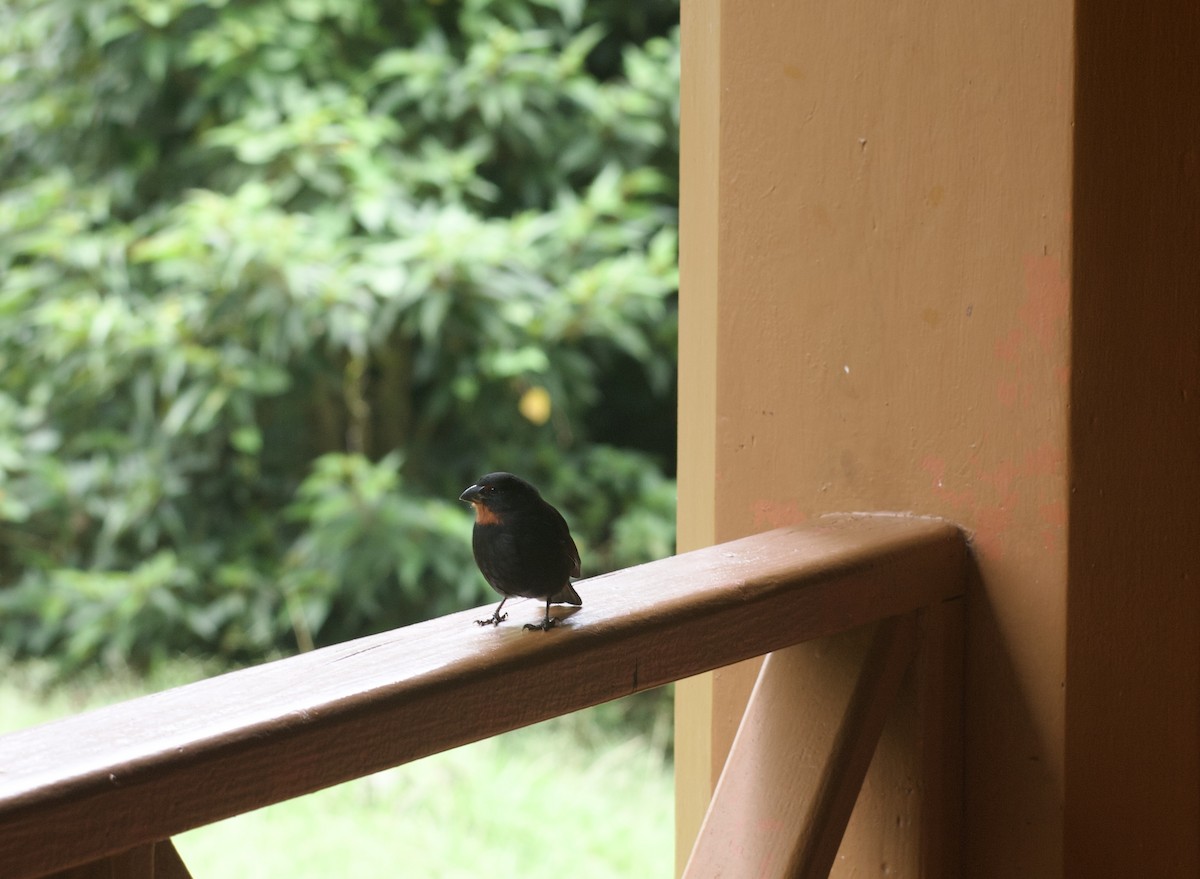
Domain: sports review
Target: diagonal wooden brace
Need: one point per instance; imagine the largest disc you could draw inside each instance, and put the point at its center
(792, 777)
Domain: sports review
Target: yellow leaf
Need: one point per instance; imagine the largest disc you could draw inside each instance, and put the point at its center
(535, 405)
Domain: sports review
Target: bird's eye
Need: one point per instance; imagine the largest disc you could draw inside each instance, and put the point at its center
(490, 489)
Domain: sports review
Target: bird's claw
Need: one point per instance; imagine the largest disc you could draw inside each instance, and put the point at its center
(544, 626)
(495, 620)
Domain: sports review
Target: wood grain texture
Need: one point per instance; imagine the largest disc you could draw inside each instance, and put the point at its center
(158, 860)
(141, 771)
(1132, 742)
(137, 863)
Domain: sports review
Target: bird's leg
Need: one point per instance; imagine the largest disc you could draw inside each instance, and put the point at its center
(545, 625)
(497, 618)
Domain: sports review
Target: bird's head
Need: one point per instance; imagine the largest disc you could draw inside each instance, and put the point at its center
(497, 493)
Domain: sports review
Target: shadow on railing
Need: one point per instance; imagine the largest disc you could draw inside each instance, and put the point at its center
(107, 789)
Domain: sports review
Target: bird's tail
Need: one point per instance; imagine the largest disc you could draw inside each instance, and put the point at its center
(567, 595)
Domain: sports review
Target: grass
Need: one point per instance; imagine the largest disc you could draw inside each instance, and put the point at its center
(575, 796)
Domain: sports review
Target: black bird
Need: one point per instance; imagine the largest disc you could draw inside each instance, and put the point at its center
(522, 545)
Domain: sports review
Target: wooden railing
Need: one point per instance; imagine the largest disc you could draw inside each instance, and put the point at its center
(101, 793)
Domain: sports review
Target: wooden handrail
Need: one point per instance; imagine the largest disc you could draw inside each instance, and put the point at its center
(86, 787)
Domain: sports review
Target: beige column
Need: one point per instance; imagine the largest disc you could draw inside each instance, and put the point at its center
(934, 261)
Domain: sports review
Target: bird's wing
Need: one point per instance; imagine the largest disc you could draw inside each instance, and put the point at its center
(572, 552)
(565, 540)
(553, 518)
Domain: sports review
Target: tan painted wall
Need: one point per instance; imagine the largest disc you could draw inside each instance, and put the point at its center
(880, 311)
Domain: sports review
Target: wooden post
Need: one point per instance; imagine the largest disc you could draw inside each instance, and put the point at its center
(1132, 784)
(697, 762)
(944, 259)
(884, 286)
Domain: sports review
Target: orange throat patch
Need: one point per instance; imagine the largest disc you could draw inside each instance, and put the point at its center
(484, 516)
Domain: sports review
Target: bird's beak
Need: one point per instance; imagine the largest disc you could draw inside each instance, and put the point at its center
(471, 495)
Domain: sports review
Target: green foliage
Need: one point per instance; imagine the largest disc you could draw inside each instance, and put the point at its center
(279, 278)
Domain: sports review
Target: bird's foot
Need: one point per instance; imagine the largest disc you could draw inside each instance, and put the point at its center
(495, 620)
(545, 625)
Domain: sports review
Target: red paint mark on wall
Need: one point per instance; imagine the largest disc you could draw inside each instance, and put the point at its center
(776, 514)
(992, 497)
(1000, 477)
(1054, 513)
(1045, 460)
(935, 467)
(986, 498)
(991, 526)
(1007, 391)
(959, 499)
(1041, 322)
(1008, 347)
(1047, 300)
